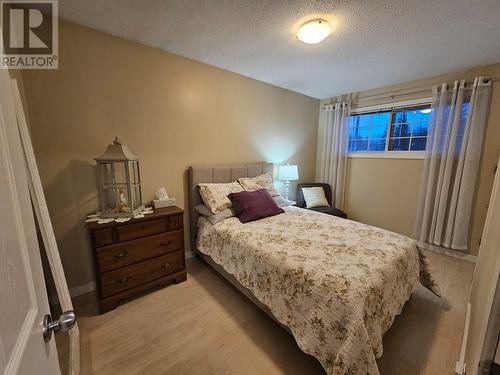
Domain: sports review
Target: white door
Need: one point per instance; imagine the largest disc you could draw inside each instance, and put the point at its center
(23, 298)
(481, 328)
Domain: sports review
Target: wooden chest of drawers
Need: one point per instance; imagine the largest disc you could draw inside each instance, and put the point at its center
(137, 255)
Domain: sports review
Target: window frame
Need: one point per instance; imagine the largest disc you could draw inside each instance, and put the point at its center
(387, 154)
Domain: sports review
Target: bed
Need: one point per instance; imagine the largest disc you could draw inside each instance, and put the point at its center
(336, 285)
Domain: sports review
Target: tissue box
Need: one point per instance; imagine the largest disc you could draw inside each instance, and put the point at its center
(166, 203)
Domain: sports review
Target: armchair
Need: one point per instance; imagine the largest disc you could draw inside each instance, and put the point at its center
(329, 210)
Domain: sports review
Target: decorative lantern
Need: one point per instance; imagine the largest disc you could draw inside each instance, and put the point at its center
(119, 182)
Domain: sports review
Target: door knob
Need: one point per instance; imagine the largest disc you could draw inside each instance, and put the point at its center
(65, 322)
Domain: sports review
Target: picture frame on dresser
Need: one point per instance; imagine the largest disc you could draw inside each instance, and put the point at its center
(137, 255)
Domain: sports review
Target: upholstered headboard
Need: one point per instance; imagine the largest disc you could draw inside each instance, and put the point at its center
(205, 173)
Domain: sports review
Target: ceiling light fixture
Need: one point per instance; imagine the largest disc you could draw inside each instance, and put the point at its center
(314, 31)
(426, 110)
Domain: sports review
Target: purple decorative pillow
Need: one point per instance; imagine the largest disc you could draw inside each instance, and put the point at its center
(254, 205)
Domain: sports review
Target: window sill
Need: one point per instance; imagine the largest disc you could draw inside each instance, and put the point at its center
(388, 155)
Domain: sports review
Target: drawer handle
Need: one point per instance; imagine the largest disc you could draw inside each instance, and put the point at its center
(167, 266)
(123, 281)
(121, 255)
(165, 243)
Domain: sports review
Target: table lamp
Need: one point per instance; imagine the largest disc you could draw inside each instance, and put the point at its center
(288, 173)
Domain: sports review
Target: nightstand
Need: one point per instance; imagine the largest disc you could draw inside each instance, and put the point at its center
(138, 254)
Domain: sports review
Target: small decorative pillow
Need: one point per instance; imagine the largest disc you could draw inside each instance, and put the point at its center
(281, 202)
(262, 181)
(215, 195)
(214, 218)
(315, 197)
(254, 205)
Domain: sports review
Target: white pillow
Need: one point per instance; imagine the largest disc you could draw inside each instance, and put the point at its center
(215, 195)
(214, 218)
(262, 181)
(315, 197)
(281, 202)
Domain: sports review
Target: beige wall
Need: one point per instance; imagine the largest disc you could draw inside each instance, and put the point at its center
(384, 192)
(172, 112)
(381, 192)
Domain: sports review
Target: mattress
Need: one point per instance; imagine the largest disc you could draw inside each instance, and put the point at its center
(335, 283)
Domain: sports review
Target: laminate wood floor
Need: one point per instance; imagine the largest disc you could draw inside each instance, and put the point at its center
(206, 326)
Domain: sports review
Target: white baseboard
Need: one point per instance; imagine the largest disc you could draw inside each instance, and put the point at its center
(75, 292)
(82, 289)
(452, 253)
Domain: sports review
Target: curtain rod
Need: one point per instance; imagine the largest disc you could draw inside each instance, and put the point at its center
(400, 93)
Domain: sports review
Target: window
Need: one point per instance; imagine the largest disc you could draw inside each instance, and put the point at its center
(403, 129)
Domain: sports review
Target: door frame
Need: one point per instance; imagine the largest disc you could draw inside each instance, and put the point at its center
(471, 360)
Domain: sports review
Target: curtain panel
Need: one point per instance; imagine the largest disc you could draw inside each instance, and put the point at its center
(332, 150)
(453, 151)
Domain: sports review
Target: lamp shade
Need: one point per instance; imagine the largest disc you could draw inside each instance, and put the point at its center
(288, 173)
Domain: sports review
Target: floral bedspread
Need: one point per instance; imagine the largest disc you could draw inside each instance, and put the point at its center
(337, 284)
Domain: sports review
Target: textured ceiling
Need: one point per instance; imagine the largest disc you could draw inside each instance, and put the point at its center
(375, 42)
